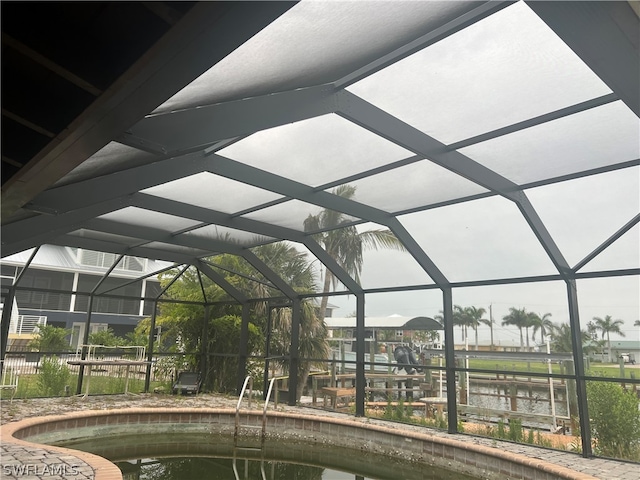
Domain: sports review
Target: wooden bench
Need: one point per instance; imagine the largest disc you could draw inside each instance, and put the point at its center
(337, 393)
(431, 403)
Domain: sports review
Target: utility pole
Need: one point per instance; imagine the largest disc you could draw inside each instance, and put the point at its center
(491, 323)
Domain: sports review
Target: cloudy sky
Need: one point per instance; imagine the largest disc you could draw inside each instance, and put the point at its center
(507, 68)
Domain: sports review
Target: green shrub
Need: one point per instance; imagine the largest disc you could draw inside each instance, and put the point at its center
(615, 420)
(50, 339)
(53, 377)
(515, 430)
(106, 337)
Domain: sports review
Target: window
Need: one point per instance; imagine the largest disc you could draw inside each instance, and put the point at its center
(105, 260)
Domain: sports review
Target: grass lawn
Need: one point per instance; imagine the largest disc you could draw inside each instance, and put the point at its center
(596, 369)
(99, 385)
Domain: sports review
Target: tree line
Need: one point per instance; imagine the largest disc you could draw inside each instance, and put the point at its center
(594, 338)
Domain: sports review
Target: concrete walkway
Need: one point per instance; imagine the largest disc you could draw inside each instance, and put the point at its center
(27, 462)
(45, 463)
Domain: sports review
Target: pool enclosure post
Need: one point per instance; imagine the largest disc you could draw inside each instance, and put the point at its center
(294, 353)
(242, 350)
(450, 360)
(360, 346)
(87, 323)
(204, 354)
(85, 340)
(5, 323)
(578, 361)
(267, 350)
(152, 328)
(147, 380)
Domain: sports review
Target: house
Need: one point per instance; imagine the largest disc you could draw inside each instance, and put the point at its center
(398, 329)
(619, 347)
(55, 291)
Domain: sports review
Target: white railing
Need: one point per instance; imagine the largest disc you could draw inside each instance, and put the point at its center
(27, 324)
(99, 352)
(247, 387)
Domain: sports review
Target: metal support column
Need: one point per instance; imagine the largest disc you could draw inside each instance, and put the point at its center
(85, 341)
(87, 325)
(6, 321)
(578, 361)
(360, 346)
(204, 363)
(294, 351)
(450, 360)
(243, 350)
(267, 348)
(8, 308)
(147, 376)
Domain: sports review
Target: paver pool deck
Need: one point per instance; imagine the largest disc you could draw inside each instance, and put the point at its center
(24, 460)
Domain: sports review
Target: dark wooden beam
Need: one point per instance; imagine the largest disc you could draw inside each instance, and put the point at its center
(47, 63)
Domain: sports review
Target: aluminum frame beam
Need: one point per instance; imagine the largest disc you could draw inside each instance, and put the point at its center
(604, 245)
(203, 126)
(208, 247)
(387, 126)
(252, 176)
(41, 229)
(221, 282)
(578, 361)
(583, 25)
(110, 247)
(269, 274)
(246, 224)
(118, 184)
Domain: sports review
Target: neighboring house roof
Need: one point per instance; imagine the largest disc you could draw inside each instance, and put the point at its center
(53, 257)
(625, 344)
(391, 323)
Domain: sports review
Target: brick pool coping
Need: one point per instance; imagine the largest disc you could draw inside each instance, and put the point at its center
(381, 439)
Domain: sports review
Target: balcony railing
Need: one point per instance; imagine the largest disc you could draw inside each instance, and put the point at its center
(27, 324)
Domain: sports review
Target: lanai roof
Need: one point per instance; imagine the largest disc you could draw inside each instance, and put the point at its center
(483, 119)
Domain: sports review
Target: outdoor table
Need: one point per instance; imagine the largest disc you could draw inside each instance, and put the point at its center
(91, 363)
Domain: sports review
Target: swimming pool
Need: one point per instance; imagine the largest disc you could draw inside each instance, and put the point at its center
(421, 447)
(178, 456)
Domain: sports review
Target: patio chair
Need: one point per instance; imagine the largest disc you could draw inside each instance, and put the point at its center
(187, 382)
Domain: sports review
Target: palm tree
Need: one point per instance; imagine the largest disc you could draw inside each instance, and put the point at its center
(343, 243)
(544, 324)
(474, 316)
(460, 319)
(561, 338)
(517, 317)
(606, 326)
(293, 267)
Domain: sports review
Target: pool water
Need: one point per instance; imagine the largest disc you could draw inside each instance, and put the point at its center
(179, 456)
